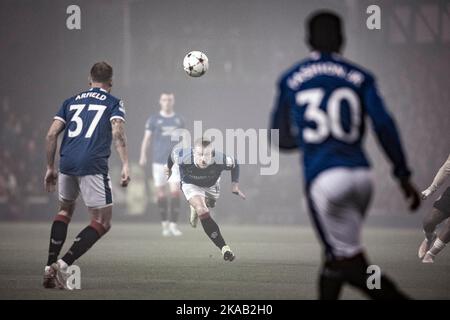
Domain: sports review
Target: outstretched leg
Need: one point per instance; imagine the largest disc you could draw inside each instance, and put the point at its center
(210, 226)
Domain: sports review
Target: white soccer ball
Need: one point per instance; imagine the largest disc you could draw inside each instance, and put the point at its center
(195, 63)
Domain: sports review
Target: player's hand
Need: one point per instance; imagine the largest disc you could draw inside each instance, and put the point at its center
(426, 193)
(167, 171)
(236, 191)
(125, 176)
(143, 161)
(51, 177)
(410, 192)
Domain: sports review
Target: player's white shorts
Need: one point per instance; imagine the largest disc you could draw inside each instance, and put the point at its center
(190, 190)
(338, 199)
(160, 178)
(95, 189)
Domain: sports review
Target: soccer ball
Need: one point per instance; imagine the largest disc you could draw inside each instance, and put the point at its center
(195, 63)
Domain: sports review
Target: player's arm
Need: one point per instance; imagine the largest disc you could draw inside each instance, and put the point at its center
(280, 120)
(144, 147)
(438, 180)
(51, 174)
(389, 139)
(120, 143)
(232, 165)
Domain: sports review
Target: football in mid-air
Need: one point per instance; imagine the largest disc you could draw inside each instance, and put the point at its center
(195, 63)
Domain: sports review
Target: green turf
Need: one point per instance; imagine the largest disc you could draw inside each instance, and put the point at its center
(134, 262)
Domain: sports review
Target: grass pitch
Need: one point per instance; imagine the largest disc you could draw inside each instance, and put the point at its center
(133, 261)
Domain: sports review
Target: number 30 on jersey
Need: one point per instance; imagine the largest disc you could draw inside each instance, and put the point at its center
(328, 122)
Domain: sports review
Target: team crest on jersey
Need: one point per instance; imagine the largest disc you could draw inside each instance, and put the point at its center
(167, 130)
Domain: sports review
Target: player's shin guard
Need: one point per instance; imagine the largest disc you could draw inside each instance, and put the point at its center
(212, 230)
(58, 235)
(163, 206)
(174, 208)
(84, 241)
(355, 273)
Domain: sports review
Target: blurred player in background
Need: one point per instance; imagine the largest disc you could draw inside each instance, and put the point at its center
(90, 120)
(160, 132)
(321, 109)
(200, 168)
(433, 243)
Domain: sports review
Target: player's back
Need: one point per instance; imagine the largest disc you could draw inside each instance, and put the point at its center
(326, 101)
(86, 144)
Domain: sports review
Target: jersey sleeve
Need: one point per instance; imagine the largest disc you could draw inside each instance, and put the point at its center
(385, 129)
(280, 119)
(230, 164)
(118, 111)
(61, 115)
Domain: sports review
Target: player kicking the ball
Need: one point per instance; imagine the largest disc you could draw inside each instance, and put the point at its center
(321, 108)
(200, 169)
(90, 121)
(433, 243)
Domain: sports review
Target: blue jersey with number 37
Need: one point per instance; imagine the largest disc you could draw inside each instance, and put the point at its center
(321, 108)
(86, 145)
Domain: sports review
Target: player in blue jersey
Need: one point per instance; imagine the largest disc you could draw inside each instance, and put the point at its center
(89, 121)
(161, 132)
(321, 108)
(200, 168)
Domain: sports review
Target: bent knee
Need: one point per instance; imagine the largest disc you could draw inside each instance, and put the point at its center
(202, 210)
(100, 226)
(66, 207)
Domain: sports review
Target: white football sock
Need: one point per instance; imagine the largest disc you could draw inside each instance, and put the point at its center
(437, 247)
(62, 264)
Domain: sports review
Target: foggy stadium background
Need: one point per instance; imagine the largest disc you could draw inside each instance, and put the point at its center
(249, 44)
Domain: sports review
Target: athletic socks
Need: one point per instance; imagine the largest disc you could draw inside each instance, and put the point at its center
(162, 205)
(330, 283)
(438, 245)
(354, 271)
(58, 235)
(84, 241)
(174, 208)
(212, 230)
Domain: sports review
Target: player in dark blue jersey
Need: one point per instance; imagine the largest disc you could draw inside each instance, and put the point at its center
(321, 108)
(200, 169)
(162, 134)
(89, 121)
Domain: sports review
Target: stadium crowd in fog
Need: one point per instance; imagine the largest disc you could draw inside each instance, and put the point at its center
(21, 157)
(246, 56)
